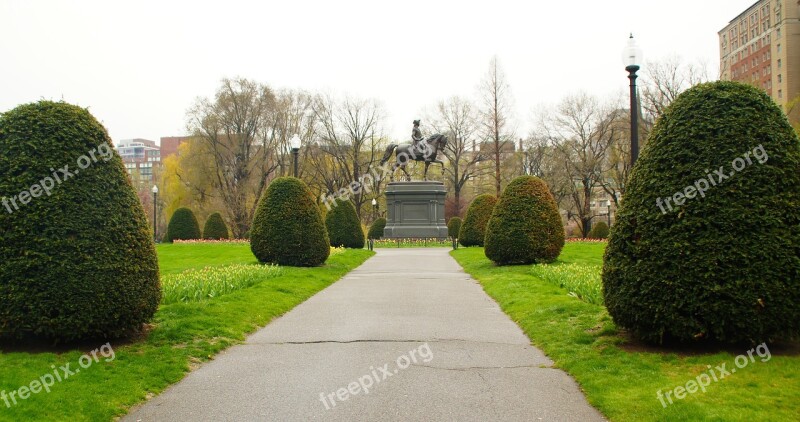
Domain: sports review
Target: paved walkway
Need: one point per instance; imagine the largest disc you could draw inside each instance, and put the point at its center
(410, 328)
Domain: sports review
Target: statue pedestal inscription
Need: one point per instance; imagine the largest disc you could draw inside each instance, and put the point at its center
(415, 209)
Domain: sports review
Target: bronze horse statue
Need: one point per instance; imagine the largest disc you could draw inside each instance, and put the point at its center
(426, 151)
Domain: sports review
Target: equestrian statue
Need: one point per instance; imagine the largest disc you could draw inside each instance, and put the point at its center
(425, 150)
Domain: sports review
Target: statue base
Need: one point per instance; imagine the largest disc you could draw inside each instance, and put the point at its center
(415, 209)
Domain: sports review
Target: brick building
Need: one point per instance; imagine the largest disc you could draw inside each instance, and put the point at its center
(761, 46)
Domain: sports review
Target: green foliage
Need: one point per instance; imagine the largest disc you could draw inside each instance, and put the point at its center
(215, 228)
(376, 230)
(525, 226)
(599, 231)
(453, 227)
(288, 227)
(344, 228)
(691, 273)
(207, 283)
(78, 261)
(473, 228)
(183, 226)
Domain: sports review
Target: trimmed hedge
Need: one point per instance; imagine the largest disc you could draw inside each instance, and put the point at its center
(376, 230)
(453, 227)
(183, 225)
(215, 228)
(344, 228)
(525, 226)
(473, 228)
(599, 230)
(287, 228)
(689, 272)
(77, 258)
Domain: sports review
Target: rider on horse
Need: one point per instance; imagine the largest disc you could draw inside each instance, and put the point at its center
(416, 134)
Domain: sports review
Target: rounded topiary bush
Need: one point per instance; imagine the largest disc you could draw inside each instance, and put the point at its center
(599, 231)
(376, 230)
(287, 228)
(183, 225)
(525, 226)
(473, 228)
(678, 265)
(453, 227)
(215, 228)
(77, 258)
(344, 228)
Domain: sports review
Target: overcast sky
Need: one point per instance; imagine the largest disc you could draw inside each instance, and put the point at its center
(139, 65)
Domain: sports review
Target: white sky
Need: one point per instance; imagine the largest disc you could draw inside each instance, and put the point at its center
(139, 65)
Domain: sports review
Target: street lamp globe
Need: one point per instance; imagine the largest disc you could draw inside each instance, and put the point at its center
(632, 55)
(374, 202)
(295, 142)
(155, 190)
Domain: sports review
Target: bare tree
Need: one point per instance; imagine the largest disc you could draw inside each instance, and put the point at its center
(293, 115)
(350, 139)
(581, 133)
(456, 117)
(495, 111)
(236, 129)
(664, 80)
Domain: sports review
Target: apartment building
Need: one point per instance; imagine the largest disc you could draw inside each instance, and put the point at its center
(761, 46)
(141, 157)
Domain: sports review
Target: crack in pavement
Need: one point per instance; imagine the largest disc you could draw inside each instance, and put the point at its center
(387, 341)
(472, 368)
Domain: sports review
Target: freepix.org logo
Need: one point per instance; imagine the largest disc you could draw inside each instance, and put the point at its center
(712, 179)
(47, 184)
(58, 374)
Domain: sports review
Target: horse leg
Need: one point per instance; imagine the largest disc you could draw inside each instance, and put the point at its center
(425, 174)
(408, 176)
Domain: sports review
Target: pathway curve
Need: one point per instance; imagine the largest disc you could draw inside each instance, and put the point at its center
(406, 336)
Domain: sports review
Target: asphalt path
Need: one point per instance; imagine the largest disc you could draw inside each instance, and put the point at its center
(407, 336)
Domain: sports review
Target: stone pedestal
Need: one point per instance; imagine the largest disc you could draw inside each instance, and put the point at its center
(415, 209)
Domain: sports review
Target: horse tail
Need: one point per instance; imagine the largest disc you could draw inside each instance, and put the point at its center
(388, 154)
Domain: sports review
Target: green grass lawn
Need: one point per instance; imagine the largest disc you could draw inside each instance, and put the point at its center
(183, 335)
(622, 377)
(175, 258)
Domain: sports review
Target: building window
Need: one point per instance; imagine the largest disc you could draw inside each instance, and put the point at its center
(780, 79)
(780, 93)
(779, 63)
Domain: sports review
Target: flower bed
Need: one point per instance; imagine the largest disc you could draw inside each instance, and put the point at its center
(210, 282)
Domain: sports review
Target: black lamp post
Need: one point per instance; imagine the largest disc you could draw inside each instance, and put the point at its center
(632, 56)
(375, 208)
(155, 213)
(295, 143)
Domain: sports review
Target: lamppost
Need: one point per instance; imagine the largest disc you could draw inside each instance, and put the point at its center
(632, 56)
(155, 213)
(609, 213)
(295, 144)
(375, 208)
